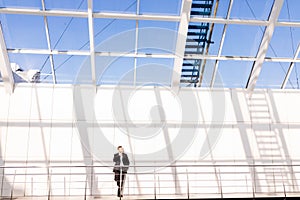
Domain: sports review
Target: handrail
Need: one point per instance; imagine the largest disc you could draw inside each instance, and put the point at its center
(194, 179)
(157, 166)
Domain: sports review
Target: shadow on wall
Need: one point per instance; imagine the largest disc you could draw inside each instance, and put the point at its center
(269, 140)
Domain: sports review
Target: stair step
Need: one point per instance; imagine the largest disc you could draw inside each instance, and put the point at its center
(189, 75)
(196, 33)
(198, 27)
(201, 5)
(188, 81)
(200, 12)
(194, 52)
(195, 40)
(193, 46)
(272, 155)
(188, 64)
(190, 70)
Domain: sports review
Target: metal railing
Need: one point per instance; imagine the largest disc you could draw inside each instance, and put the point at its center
(187, 181)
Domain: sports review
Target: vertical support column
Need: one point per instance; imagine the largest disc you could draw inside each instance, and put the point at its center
(5, 69)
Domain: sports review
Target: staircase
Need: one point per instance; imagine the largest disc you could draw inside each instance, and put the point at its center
(273, 179)
(196, 41)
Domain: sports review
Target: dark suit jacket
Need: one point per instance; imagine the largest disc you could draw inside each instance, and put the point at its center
(117, 162)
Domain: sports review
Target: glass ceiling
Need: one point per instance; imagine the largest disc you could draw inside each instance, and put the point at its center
(137, 42)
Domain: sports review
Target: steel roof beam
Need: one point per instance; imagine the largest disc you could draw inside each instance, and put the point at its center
(129, 16)
(263, 48)
(147, 55)
(180, 43)
(5, 68)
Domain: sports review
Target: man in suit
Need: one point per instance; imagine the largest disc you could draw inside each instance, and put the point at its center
(120, 169)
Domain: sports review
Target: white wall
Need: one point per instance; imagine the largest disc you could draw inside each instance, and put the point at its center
(46, 126)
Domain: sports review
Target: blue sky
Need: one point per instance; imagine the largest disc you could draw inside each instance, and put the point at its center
(25, 31)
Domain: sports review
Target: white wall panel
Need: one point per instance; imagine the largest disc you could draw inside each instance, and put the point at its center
(41, 102)
(39, 141)
(293, 99)
(62, 103)
(278, 106)
(20, 104)
(16, 147)
(4, 105)
(60, 142)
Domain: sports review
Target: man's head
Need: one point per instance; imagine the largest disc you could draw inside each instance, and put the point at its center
(120, 149)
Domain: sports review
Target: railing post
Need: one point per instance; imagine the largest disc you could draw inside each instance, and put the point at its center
(49, 185)
(127, 185)
(187, 184)
(31, 186)
(220, 181)
(254, 182)
(86, 180)
(154, 184)
(121, 183)
(64, 185)
(12, 188)
(283, 185)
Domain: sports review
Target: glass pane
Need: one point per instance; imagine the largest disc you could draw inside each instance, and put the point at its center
(68, 33)
(233, 74)
(67, 68)
(222, 8)
(66, 5)
(114, 70)
(242, 40)
(157, 37)
(207, 72)
(251, 9)
(114, 35)
(272, 75)
(24, 31)
(284, 42)
(161, 7)
(21, 3)
(152, 71)
(290, 11)
(123, 6)
(216, 39)
(294, 81)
